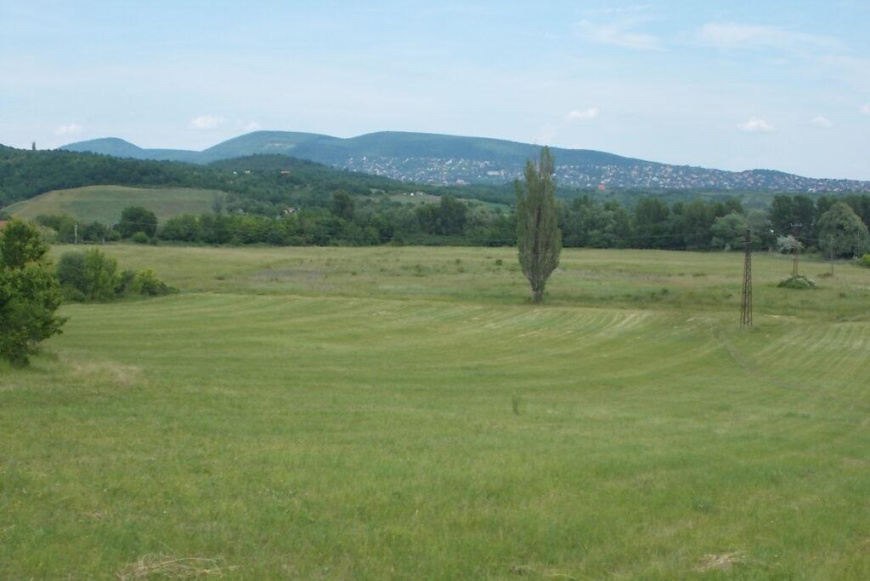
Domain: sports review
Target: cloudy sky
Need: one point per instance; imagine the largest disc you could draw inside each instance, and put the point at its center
(731, 84)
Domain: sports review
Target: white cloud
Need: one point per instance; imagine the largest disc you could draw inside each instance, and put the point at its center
(618, 10)
(866, 109)
(756, 125)
(582, 114)
(731, 35)
(205, 122)
(69, 130)
(821, 121)
(248, 126)
(618, 34)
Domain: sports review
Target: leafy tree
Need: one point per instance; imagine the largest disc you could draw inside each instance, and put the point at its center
(184, 228)
(539, 239)
(342, 205)
(137, 219)
(729, 231)
(842, 225)
(448, 218)
(788, 210)
(63, 225)
(651, 223)
(89, 275)
(697, 220)
(29, 293)
(763, 235)
(788, 244)
(218, 204)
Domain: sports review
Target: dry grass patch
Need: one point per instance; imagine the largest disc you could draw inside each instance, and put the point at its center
(720, 562)
(161, 567)
(109, 372)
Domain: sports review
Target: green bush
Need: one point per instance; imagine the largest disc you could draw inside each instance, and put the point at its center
(864, 261)
(125, 282)
(70, 271)
(93, 276)
(89, 275)
(798, 282)
(140, 238)
(147, 283)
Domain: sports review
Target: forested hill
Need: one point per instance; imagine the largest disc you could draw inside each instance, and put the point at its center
(25, 174)
(446, 159)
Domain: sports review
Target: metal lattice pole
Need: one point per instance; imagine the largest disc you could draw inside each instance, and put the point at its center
(746, 308)
(797, 250)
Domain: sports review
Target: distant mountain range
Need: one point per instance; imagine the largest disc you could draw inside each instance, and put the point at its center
(446, 159)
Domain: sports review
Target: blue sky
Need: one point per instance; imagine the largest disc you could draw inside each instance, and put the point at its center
(732, 85)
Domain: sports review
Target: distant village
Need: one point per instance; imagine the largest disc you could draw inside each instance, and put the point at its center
(458, 171)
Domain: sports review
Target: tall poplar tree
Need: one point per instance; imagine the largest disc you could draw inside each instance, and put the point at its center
(539, 239)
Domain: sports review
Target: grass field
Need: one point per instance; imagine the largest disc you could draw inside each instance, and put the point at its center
(402, 413)
(105, 203)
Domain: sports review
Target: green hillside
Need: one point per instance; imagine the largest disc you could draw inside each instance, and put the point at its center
(429, 158)
(336, 151)
(105, 203)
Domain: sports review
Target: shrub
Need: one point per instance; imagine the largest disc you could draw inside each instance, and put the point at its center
(798, 282)
(89, 275)
(70, 271)
(864, 261)
(147, 283)
(140, 238)
(125, 282)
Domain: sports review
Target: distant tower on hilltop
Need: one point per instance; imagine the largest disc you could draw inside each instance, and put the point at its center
(33, 146)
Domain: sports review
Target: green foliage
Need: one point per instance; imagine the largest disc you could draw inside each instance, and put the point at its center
(342, 205)
(793, 213)
(29, 293)
(89, 275)
(842, 232)
(448, 218)
(137, 219)
(139, 238)
(652, 217)
(184, 228)
(93, 276)
(146, 282)
(729, 231)
(218, 204)
(539, 239)
(20, 245)
(798, 282)
(587, 222)
(864, 261)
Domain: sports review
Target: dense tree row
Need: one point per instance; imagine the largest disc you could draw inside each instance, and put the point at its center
(829, 225)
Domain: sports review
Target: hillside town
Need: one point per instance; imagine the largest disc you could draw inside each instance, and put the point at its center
(458, 171)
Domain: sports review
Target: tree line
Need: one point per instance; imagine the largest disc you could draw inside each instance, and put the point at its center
(584, 222)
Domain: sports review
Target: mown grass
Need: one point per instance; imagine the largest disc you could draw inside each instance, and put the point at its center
(404, 414)
(105, 203)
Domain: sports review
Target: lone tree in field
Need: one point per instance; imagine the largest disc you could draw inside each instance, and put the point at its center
(29, 293)
(539, 239)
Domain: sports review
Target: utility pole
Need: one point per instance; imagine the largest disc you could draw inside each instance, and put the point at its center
(794, 233)
(746, 308)
(76, 230)
(831, 251)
